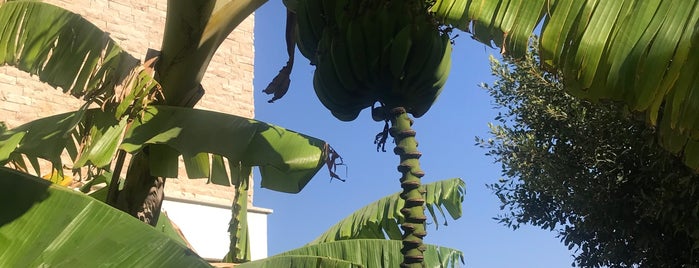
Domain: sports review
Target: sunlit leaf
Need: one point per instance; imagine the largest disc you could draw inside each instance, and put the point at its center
(61, 48)
(292, 261)
(42, 224)
(382, 217)
(641, 52)
(377, 253)
(287, 159)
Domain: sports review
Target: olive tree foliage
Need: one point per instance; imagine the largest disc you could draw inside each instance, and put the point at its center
(592, 172)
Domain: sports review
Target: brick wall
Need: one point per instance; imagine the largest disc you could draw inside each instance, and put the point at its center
(137, 26)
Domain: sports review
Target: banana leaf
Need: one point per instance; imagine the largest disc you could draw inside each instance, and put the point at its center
(287, 160)
(382, 218)
(42, 224)
(62, 49)
(641, 52)
(299, 261)
(369, 253)
(47, 138)
(70, 53)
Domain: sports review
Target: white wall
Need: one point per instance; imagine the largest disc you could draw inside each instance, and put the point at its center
(206, 227)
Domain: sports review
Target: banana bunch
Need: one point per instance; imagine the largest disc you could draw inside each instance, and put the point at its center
(368, 51)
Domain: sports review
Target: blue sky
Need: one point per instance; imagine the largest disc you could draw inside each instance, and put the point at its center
(446, 139)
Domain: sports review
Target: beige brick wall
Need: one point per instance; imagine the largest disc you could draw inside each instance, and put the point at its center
(137, 26)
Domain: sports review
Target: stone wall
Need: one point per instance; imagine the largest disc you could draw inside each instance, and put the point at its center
(137, 26)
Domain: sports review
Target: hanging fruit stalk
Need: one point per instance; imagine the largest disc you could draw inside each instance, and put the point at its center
(388, 52)
(413, 194)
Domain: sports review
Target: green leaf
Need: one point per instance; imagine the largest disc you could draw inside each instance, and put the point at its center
(9, 144)
(377, 253)
(47, 225)
(103, 143)
(61, 48)
(384, 216)
(287, 159)
(239, 250)
(167, 164)
(47, 138)
(43, 138)
(639, 52)
(218, 171)
(293, 261)
(197, 165)
(166, 226)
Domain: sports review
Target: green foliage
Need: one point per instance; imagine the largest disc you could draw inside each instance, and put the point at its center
(51, 226)
(287, 159)
(368, 253)
(69, 53)
(359, 239)
(292, 261)
(640, 52)
(61, 48)
(381, 218)
(590, 171)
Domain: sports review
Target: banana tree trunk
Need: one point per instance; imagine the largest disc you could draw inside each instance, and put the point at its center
(413, 194)
(142, 195)
(193, 32)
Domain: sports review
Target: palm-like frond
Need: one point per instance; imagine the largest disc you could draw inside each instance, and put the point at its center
(50, 225)
(62, 49)
(375, 253)
(293, 261)
(287, 159)
(641, 52)
(70, 53)
(382, 217)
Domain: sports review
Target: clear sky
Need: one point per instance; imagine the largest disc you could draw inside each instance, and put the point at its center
(446, 139)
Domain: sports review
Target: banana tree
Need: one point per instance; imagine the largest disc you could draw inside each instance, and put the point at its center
(370, 237)
(393, 54)
(367, 52)
(51, 225)
(67, 52)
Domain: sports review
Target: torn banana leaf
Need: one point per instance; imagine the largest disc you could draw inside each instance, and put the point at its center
(381, 219)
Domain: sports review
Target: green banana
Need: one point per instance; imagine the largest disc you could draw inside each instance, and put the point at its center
(426, 75)
(342, 103)
(308, 52)
(391, 52)
(343, 67)
(386, 24)
(314, 11)
(336, 108)
(356, 50)
(429, 95)
(373, 46)
(291, 5)
(338, 12)
(420, 53)
(374, 51)
(400, 51)
(307, 39)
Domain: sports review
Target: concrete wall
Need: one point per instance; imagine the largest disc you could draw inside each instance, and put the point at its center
(137, 26)
(204, 222)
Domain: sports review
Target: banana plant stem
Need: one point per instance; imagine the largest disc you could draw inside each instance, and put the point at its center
(413, 194)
